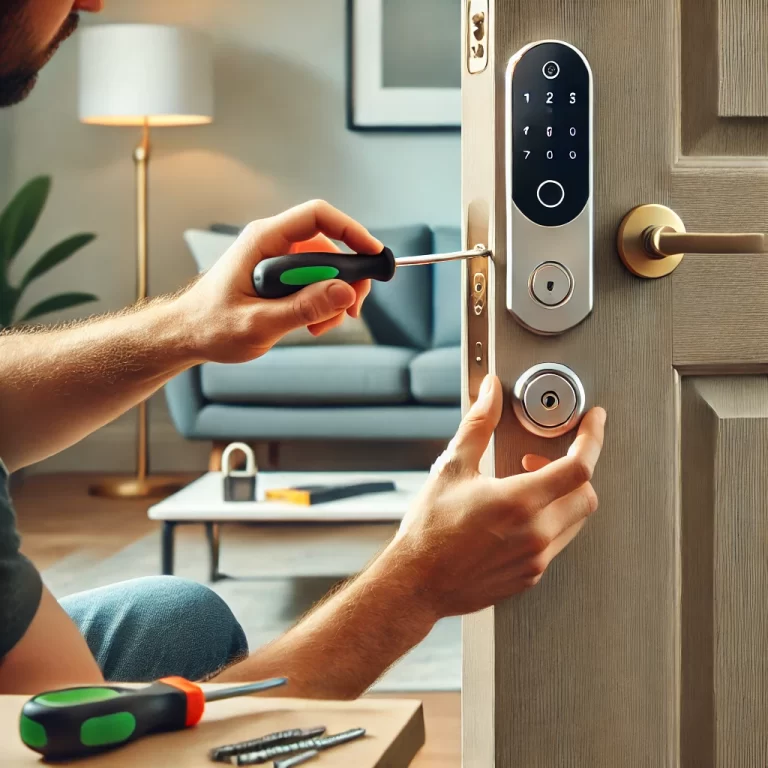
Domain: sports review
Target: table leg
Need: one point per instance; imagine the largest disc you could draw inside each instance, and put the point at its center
(212, 534)
(169, 528)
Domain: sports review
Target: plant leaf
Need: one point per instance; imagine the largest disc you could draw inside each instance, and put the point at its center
(55, 256)
(20, 216)
(9, 299)
(55, 303)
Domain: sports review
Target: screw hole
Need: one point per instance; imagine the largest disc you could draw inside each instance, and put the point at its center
(550, 286)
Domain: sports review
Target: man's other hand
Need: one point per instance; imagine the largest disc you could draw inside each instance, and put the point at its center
(229, 324)
(469, 541)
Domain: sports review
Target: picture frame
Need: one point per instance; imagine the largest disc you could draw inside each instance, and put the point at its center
(380, 96)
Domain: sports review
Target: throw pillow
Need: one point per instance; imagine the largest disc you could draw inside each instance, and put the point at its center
(207, 247)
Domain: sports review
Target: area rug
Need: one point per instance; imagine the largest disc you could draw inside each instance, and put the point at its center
(277, 573)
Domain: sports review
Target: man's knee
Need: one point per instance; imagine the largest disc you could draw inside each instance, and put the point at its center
(157, 626)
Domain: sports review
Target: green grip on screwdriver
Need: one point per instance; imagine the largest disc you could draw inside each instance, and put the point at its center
(76, 722)
(281, 276)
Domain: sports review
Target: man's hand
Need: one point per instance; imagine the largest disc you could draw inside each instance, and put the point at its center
(222, 312)
(468, 542)
(471, 541)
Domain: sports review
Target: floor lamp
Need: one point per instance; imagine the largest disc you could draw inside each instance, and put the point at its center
(143, 76)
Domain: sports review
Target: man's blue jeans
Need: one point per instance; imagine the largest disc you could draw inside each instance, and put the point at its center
(144, 629)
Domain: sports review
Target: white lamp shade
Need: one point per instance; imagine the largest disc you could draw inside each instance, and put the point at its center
(131, 74)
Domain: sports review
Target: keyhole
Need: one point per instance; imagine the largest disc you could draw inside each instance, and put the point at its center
(550, 400)
(550, 286)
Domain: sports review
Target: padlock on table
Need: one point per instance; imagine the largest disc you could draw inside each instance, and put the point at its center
(239, 484)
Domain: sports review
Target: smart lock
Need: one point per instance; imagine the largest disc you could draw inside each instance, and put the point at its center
(549, 160)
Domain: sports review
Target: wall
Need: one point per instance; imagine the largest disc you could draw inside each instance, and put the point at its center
(279, 138)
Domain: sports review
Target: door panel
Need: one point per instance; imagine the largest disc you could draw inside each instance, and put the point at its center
(586, 669)
(743, 58)
(724, 709)
(710, 35)
(737, 335)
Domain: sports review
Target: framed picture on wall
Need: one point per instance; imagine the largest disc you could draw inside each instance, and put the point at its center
(404, 65)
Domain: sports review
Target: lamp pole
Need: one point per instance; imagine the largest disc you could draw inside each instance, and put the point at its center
(142, 485)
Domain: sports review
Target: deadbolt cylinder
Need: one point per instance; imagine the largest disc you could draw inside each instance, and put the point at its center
(549, 400)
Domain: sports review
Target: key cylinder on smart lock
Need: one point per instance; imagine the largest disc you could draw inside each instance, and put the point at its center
(549, 400)
(549, 159)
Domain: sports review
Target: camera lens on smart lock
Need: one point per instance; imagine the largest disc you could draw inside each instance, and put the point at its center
(551, 70)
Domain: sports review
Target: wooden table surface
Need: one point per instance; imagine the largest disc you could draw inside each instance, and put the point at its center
(394, 733)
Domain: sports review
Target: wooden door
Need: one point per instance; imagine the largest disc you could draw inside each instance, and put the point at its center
(646, 643)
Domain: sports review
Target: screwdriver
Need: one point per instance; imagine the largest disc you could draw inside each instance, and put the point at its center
(76, 722)
(281, 276)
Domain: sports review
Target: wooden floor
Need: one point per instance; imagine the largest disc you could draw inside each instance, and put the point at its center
(57, 517)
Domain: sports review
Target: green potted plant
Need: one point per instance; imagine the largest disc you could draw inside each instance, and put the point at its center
(16, 224)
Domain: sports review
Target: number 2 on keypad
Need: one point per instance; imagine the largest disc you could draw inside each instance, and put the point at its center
(551, 96)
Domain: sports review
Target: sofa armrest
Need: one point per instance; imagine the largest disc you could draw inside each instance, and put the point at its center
(185, 401)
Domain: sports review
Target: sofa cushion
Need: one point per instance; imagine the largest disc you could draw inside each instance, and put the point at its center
(399, 313)
(446, 299)
(436, 376)
(316, 375)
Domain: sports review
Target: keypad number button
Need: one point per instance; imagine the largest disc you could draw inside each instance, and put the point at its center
(572, 98)
(551, 96)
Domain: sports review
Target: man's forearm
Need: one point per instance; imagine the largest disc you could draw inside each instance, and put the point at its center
(59, 385)
(343, 647)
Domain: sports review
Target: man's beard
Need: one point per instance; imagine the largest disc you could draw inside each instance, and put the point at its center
(16, 85)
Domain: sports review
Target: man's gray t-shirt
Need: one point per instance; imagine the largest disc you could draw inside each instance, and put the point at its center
(20, 583)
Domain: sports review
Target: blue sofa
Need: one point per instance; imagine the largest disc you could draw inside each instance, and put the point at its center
(405, 386)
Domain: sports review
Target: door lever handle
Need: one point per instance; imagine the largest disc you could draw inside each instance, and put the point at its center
(662, 242)
(652, 241)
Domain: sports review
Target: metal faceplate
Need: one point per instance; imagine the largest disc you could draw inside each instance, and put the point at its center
(549, 170)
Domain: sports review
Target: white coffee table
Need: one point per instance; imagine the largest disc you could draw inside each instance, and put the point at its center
(202, 502)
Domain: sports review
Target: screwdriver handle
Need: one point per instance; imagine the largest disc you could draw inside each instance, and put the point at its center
(76, 722)
(281, 276)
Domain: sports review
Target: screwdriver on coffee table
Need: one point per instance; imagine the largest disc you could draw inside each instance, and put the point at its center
(77, 722)
(281, 276)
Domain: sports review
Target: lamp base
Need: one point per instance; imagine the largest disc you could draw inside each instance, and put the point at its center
(135, 488)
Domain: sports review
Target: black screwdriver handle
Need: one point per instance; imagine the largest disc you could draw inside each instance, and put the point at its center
(283, 275)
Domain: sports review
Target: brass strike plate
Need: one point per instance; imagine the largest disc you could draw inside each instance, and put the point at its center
(630, 240)
(477, 36)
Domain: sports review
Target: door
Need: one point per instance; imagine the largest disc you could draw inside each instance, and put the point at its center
(646, 642)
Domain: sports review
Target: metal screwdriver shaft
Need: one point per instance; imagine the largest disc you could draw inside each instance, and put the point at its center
(281, 276)
(245, 690)
(436, 258)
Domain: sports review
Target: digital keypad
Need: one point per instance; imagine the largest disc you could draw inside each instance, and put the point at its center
(550, 134)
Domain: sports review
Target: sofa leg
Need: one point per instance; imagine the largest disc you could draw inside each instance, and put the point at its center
(214, 460)
(273, 454)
